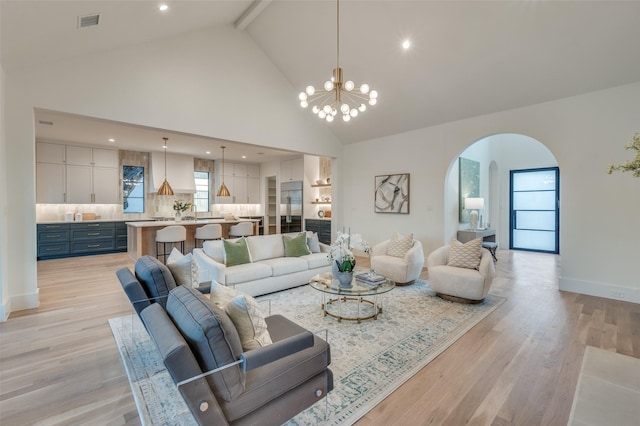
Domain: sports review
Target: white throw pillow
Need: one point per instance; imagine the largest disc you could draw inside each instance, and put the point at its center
(400, 245)
(465, 255)
(245, 314)
(183, 268)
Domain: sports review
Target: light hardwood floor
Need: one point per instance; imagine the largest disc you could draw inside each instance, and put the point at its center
(59, 363)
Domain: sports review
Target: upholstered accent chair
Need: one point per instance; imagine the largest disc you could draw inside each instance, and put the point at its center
(403, 267)
(242, 229)
(460, 284)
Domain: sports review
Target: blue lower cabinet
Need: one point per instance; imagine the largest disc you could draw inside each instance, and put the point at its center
(80, 239)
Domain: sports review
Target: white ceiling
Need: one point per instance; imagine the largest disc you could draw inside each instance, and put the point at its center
(468, 58)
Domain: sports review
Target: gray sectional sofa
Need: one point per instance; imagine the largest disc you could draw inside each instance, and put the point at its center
(265, 386)
(269, 270)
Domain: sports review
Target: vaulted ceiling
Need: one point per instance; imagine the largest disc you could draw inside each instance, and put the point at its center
(467, 58)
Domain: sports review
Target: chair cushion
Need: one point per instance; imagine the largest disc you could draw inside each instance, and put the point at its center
(286, 265)
(265, 246)
(212, 337)
(184, 268)
(296, 246)
(156, 279)
(465, 255)
(236, 252)
(245, 314)
(247, 272)
(400, 245)
(317, 260)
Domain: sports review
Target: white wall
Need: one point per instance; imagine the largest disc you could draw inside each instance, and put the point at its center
(5, 308)
(214, 83)
(598, 241)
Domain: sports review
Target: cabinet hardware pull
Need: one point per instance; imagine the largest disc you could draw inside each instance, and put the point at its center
(53, 236)
(93, 245)
(93, 224)
(53, 249)
(93, 233)
(53, 226)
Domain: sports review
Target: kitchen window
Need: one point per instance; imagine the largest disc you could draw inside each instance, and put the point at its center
(133, 189)
(201, 197)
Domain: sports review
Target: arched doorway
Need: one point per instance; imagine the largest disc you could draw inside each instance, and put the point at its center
(497, 155)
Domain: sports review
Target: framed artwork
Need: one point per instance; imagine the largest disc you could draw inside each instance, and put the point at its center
(469, 185)
(392, 194)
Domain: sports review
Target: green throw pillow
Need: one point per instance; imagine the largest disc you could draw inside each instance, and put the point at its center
(236, 252)
(296, 246)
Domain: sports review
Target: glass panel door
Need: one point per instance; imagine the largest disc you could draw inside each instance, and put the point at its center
(535, 215)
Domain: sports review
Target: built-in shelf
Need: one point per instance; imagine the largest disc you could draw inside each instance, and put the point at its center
(324, 185)
(321, 202)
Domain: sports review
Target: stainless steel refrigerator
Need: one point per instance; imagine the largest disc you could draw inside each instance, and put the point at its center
(291, 207)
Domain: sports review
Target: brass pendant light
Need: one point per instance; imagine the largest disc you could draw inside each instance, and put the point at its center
(223, 191)
(165, 188)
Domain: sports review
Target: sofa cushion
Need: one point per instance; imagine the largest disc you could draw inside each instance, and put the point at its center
(212, 337)
(317, 260)
(184, 268)
(236, 252)
(156, 279)
(465, 255)
(313, 242)
(214, 249)
(286, 265)
(265, 246)
(400, 245)
(247, 272)
(296, 246)
(245, 314)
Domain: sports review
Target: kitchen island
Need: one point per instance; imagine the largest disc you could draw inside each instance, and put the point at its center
(141, 236)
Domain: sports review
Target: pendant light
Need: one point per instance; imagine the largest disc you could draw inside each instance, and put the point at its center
(223, 191)
(165, 188)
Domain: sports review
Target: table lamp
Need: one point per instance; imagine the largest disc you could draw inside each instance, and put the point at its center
(473, 204)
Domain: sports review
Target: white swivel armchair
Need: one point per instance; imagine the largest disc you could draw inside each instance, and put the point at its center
(457, 284)
(403, 270)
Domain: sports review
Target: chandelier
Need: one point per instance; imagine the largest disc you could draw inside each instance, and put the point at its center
(335, 96)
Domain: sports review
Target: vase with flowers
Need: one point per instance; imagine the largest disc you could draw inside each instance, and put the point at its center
(341, 256)
(180, 207)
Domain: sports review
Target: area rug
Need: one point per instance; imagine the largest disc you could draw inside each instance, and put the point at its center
(369, 360)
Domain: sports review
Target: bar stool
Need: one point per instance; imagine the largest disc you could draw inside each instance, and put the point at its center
(242, 229)
(170, 235)
(212, 231)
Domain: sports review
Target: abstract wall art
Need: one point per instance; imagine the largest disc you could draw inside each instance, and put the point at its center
(392, 194)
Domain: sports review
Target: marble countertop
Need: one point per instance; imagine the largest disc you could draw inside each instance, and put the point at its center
(146, 224)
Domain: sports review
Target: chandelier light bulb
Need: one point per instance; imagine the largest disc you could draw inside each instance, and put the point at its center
(373, 94)
(346, 117)
(315, 109)
(354, 112)
(362, 107)
(349, 85)
(373, 101)
(327, 109)
(310, 90)
(304, 104)
(302, 96)
(364, 88)
(328, 85)
(329, 118)
(334, 112)
(322, 114)
(344, 108)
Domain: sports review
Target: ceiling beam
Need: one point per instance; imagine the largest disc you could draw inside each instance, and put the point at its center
(251, 13)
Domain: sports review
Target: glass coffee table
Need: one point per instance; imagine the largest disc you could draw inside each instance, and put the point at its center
(359, 302)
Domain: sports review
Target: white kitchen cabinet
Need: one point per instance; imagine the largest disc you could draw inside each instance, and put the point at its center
(105, 158)
(253, 171)
(242, 180)
(253, 190)
(239, 193)
(50, 183)
(79, 184)
(292, 170)
(52, 153)
(106, 188)
(79, 155)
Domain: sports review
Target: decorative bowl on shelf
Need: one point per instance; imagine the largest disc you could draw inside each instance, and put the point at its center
(320, 182)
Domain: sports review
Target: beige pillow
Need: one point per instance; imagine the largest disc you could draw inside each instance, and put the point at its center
(400, 245)
(245, 314)
(465, 255)
(183, 268)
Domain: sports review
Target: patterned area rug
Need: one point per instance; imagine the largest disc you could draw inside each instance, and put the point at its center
(369, 360)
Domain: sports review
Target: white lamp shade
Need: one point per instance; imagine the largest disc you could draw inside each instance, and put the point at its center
(474, 203)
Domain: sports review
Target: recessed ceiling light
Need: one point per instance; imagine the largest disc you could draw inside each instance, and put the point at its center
(406, 44)
(163, 7)
(244, 156)
(208, 152)
(112, 140)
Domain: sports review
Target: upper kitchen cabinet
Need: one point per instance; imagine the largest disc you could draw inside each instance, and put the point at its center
(292, 170)
(242, 180)
(76, 174)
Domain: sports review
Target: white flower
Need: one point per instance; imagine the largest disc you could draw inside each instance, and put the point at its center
(340, 251)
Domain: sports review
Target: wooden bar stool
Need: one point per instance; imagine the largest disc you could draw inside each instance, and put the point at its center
(213, 231)
(170, 235)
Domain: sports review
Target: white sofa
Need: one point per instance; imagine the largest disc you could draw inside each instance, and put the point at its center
(269, 269)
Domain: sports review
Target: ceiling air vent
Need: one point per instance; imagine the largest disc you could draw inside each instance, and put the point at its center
(88, 20)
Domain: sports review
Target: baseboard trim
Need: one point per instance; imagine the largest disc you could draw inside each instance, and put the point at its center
(25, 301)
(608, 291)
(5, 310)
